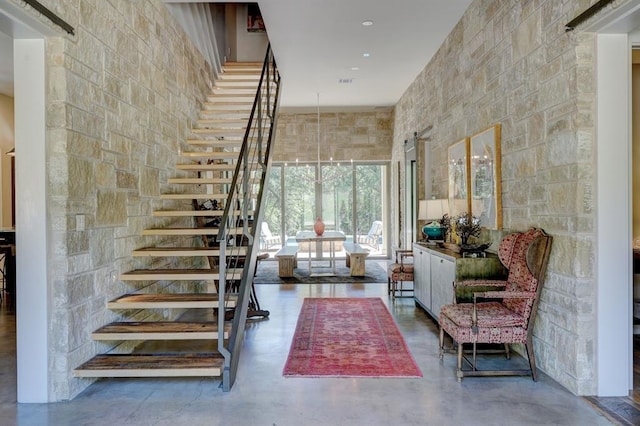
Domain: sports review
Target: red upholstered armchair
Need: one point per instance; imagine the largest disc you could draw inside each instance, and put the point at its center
(508, 316)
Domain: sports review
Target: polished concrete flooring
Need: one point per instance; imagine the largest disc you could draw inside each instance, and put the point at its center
(262, 396)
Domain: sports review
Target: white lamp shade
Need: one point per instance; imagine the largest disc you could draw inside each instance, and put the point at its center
(432, 209)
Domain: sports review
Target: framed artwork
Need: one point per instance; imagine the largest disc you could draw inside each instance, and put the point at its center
(255, 24)
(485, 177)
(459, 177)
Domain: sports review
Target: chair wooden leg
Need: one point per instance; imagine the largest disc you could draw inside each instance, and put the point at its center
(459, 373)
(475, 351)
(441, 343)
(507, 351)
(532, 359)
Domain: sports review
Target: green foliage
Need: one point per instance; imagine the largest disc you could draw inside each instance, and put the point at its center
(337, 197)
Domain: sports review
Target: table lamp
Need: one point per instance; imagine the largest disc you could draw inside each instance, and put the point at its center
(434, 210)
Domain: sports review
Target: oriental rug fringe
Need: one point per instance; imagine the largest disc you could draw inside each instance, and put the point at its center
(348, 337)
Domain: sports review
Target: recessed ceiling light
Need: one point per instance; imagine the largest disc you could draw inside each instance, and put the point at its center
(366, 54)
(367, 23)
(355, 68)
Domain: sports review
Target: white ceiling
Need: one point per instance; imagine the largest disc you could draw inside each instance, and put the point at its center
(317, 42)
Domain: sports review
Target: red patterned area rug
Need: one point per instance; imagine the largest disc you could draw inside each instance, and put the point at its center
(348, 337)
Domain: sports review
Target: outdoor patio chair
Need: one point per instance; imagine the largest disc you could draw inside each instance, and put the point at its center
(373, 236)
(268, 239)
(508, 316)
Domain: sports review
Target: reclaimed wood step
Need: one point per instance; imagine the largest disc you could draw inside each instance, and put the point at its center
(193, 196)
(163, 330)
(227, 142)
(232, 83)
(196, 213)
(226, 155)
(152, 365)
(236, 106)
(208, 181)
(181, 251)
(220, 132)
(241, 70)
(170, 301)
(223, 122)
(237, 89)
(178, 274)
(223, 112)
(234, 87)
(206, 167)
(181, 231)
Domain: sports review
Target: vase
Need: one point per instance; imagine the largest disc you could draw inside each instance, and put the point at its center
(318, 227)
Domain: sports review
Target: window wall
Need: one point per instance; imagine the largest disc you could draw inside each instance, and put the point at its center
(349, 197)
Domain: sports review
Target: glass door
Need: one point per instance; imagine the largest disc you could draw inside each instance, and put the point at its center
(337, 197)
(299, 205)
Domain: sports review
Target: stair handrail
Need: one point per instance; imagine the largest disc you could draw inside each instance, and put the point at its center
(240, 197)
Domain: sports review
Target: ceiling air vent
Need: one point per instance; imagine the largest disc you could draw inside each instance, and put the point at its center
(345, 81)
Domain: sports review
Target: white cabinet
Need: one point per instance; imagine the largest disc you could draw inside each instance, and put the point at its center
(443, 273)
(422, 277)
(435, 270)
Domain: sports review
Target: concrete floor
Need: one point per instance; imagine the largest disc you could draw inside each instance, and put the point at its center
(262, 396)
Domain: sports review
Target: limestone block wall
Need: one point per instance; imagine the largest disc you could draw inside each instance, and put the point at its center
(344, 136)
(122, 93)
(511, 62)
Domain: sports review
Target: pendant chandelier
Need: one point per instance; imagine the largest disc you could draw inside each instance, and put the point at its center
(334, 176)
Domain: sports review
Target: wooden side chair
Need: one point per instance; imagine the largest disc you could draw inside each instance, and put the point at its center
(399, 272)
(509, 314)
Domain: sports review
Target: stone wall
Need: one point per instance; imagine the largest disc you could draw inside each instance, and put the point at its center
(511, 62)
(365, 136)
(122, 93)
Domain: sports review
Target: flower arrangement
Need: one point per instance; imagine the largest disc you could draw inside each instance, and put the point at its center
(466, 226)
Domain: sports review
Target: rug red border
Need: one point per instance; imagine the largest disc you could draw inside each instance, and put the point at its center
(348, 337)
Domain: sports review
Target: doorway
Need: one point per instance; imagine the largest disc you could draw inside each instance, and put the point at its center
(32, 294)
(614, 331)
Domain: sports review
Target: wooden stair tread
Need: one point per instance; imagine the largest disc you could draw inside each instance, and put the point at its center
(189, 231)
(235, 121)
(208, 181)
(179, 251)
(212, 166)
(169, 300)
(169, 330)
(212, 154)
(218, 130)
(217, 143)
(199, 196)
(178, 274)
(152, 365)
(195, 213)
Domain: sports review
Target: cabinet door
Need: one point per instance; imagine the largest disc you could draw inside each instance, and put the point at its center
(422, 277)
(443, 273)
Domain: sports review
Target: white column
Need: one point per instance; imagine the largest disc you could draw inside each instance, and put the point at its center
(614, 280)
(32, 307)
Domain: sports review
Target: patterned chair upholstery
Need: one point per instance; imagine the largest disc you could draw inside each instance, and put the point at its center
(399, 272)
(508, 316)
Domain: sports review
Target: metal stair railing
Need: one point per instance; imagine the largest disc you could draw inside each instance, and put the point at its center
(246, 194)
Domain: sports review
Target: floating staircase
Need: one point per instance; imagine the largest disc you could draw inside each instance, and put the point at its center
(229, 164)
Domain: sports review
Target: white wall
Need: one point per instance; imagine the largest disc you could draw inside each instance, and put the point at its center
(251, 47)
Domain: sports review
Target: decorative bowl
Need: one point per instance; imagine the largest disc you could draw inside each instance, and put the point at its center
(474, 247)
